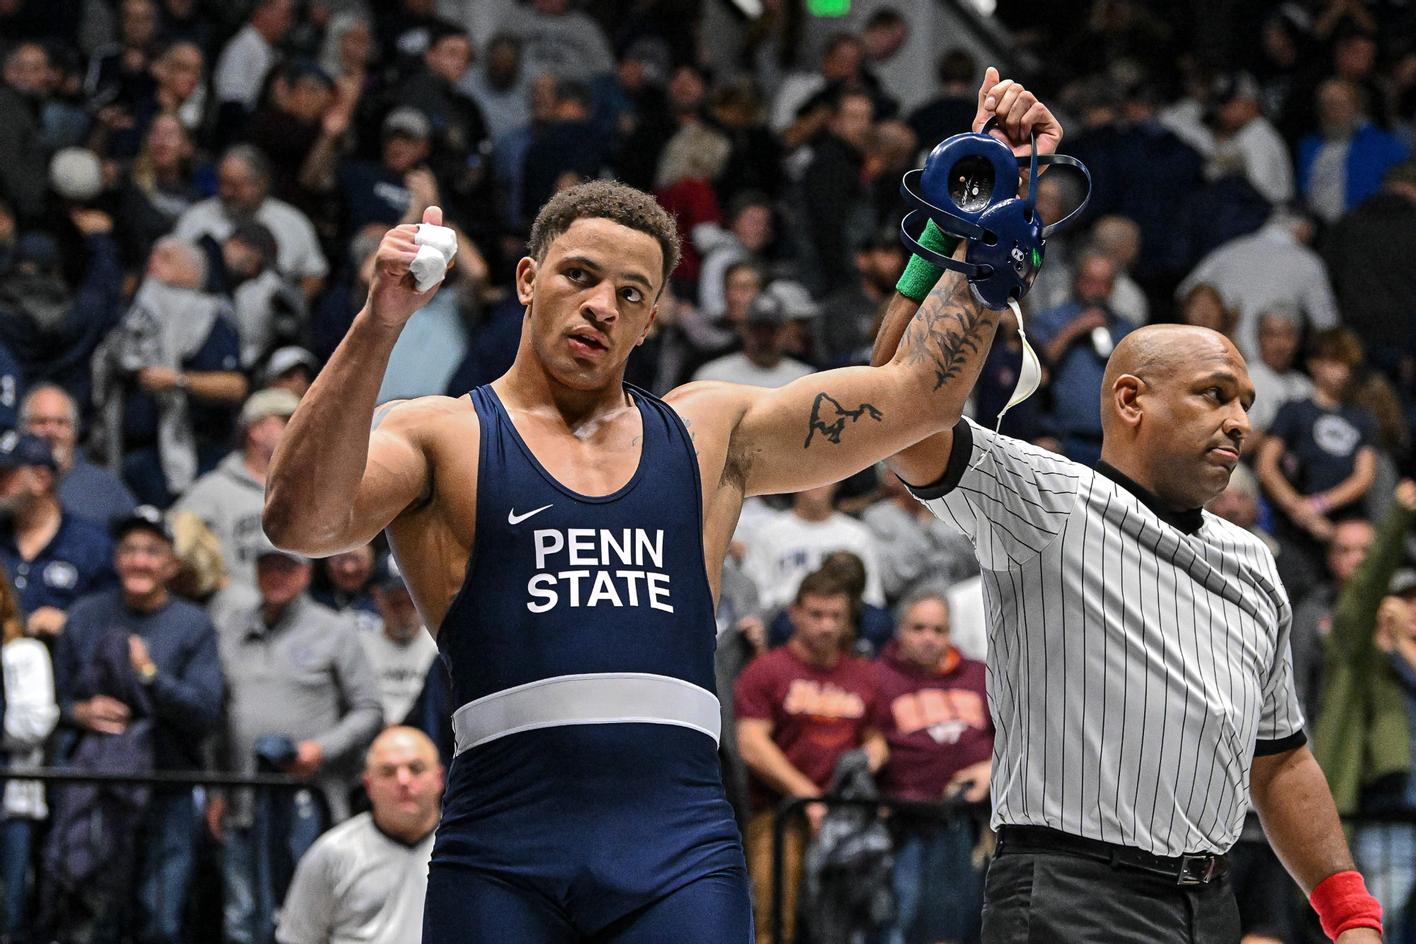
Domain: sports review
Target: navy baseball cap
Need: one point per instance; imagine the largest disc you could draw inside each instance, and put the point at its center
(21, 449)
(147, 518)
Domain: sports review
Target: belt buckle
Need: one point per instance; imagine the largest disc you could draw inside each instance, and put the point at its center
(1196, 869)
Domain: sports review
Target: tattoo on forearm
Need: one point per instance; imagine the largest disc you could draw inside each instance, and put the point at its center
(828, 417)
(948, 330)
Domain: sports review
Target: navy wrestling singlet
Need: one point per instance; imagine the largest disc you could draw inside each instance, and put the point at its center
(585, 803)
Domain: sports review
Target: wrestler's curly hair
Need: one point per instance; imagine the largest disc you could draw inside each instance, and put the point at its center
(610, 200)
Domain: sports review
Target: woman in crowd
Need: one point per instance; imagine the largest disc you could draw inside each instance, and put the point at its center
(30, 715)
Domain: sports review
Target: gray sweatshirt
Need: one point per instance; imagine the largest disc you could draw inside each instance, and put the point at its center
(230, 500)
(306, 678)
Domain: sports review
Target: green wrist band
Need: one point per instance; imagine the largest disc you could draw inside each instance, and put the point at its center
(920, 275)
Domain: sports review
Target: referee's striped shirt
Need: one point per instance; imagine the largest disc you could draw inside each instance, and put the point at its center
(1138, 658)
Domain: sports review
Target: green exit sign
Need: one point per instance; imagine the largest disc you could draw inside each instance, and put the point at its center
(828, 7)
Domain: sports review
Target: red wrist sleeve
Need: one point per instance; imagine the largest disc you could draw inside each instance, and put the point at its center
(1342, 903)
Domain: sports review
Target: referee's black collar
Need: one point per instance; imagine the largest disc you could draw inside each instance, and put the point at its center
(1188, 521)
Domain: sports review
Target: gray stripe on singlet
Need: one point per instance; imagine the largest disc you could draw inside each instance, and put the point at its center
(597, 698)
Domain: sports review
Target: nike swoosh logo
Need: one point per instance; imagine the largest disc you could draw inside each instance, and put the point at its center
(513, 518)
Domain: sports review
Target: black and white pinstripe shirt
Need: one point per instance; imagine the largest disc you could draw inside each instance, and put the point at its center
(1138, 658)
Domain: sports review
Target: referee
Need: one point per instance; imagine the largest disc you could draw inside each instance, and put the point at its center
(1139, 672)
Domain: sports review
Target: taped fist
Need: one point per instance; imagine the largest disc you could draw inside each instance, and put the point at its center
(410, 264)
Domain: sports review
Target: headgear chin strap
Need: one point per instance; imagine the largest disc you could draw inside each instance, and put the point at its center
(1029, 379)
(969, 188)
(976, 177)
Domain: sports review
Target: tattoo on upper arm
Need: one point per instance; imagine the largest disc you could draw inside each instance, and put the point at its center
(947, 330)
(828, 417)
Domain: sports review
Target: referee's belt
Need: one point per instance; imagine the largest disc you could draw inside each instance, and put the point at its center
(1195, 869)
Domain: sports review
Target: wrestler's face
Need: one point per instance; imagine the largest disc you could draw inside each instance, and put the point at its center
(591, 300)
(1196, 419)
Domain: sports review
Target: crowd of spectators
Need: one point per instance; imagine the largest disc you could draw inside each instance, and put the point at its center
(191, 194)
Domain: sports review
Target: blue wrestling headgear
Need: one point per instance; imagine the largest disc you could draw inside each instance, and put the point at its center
(969, 188)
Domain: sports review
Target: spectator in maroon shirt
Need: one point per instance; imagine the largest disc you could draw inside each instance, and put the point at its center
(940, 738)
(799, 708)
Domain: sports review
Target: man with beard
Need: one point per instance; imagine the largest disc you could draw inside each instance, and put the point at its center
(85, 489)
(243, 182)
(849, 315)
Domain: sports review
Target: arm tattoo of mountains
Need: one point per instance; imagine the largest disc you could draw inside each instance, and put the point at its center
(828, 417)
(947, 330)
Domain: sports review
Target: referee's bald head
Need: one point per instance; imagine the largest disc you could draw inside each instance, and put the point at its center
(1174, 404)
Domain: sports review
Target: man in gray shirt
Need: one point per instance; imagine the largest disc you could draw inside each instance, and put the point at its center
(365, 880)
(303, 699)
(230, 497)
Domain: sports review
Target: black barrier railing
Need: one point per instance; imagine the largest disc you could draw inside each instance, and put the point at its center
(156, 778)
(795, 806)
(264, 786)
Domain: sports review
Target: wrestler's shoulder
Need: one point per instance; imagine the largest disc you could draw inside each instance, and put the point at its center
(425, 414)
(710, 403)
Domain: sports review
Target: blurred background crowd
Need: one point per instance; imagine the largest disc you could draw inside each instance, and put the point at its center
(191, 194)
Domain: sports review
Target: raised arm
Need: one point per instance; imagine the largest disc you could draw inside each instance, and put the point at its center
(924, 462)
(826, 426)
(926, 362)
(341, 472)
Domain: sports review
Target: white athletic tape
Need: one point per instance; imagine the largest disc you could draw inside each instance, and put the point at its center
(436, 247)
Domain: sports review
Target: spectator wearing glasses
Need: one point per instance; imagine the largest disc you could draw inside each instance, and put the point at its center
(86, 490)
(172, 649)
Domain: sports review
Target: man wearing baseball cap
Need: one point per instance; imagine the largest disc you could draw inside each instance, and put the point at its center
(382, 191)
(401, 650)
(230, 497)
(172, 649)
(762, 362)
(291, 368)
(299, 680)
(53, 558)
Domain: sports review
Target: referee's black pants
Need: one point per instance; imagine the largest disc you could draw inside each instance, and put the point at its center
(1057, 898)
